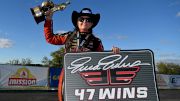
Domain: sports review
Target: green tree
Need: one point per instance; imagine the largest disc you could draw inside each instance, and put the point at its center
(168, 68)
(28, 61)
(24, 61)
(162, 68)
(14, 62)
(57, 58)
(45, 61)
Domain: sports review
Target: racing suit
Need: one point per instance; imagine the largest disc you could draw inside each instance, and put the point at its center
(72, 40)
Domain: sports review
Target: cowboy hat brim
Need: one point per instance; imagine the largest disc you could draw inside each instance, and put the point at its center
(76, 15)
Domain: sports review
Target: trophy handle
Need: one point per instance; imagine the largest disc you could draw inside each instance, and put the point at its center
(60, 7)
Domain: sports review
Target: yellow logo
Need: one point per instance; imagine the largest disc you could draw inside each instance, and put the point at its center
(22, 77)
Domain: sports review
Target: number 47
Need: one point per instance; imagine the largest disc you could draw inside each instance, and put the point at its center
(81, 93)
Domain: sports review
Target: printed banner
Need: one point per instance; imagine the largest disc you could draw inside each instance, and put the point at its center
(54, 76)
(168, 81)
(105, 76)
(22, 77)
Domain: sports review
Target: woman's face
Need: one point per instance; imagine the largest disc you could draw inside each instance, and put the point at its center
(84, 23)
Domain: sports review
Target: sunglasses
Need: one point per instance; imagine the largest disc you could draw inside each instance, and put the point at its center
(81, 19)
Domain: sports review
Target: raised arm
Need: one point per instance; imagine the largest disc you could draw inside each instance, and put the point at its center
(50, 36)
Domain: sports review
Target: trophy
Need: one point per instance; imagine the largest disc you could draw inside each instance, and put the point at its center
(39, 12)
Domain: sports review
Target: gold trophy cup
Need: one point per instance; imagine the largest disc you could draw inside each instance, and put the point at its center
(39, 12)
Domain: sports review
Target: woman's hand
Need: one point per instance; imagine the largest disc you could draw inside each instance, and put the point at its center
(116, 50)
(49, 15)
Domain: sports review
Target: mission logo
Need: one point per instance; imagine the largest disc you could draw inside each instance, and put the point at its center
(22, 77)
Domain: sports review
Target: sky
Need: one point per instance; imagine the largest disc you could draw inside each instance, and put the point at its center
(127, 24)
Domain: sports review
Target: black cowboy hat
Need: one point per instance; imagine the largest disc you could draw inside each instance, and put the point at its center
(85, 12)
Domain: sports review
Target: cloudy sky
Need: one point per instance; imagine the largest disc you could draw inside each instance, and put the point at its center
(128, 24)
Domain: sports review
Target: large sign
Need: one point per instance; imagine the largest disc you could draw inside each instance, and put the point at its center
(23, 77)
(104, 76)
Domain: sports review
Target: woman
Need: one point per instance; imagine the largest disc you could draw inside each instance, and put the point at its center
(80, 40)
